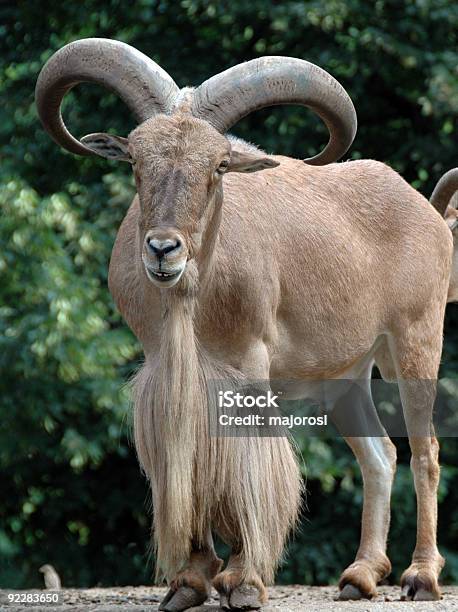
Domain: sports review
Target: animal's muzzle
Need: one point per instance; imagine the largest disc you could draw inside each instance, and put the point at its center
(163, 247)
(164, 256)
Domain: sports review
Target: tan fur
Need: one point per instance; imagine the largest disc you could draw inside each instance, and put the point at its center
(293, 273)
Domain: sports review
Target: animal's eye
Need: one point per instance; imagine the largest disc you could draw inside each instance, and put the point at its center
(221, 169)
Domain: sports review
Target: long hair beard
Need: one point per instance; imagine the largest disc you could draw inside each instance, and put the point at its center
(239, 485)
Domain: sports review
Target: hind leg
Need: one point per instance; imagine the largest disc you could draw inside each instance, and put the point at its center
(376, 456)
(191, 586)
(417, 354)
(420, 580)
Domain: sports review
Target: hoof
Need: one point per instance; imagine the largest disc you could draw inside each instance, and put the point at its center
(359, 581)
(350, 593)
(183, 598)
(419, 585)
(422, 595)
(411, 593)
(244, 597)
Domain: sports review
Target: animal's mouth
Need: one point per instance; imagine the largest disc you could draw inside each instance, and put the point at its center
(164, 278)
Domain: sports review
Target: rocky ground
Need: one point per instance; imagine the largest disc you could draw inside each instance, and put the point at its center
(282, 598)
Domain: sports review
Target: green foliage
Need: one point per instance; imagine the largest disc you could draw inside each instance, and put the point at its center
(71, 492)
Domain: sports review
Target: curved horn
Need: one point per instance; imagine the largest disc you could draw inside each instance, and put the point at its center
(143, 85)
(444, 191)
(227, 97)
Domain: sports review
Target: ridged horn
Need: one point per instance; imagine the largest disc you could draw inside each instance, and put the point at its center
(445, 189)
(229, 96)
(141, 83)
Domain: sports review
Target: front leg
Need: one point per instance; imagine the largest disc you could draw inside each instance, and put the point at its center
(377, 459)
(239, 590)
(192, 585)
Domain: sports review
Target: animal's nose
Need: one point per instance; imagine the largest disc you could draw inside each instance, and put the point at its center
(163, 247)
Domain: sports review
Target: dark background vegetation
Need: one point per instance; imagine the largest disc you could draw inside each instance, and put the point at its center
(70, 489)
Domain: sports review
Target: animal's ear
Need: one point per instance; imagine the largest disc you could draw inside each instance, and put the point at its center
(248, 161)
(108, 146)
